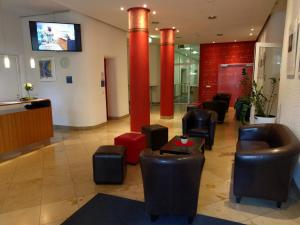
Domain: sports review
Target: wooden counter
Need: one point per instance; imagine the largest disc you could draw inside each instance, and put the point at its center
(21, 127)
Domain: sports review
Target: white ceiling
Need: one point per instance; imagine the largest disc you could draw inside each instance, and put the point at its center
(235, 18)
(31, 7)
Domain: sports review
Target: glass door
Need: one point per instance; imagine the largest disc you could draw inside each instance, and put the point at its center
(186, 75)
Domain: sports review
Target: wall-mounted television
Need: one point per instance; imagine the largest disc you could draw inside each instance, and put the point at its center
(60, 37)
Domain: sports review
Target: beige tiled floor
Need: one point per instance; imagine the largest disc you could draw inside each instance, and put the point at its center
(48, 185)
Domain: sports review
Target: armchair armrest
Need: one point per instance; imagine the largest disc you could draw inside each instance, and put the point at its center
(187, 121)
(257, 132)
(267, 167)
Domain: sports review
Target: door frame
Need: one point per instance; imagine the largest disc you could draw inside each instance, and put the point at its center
(258, 45)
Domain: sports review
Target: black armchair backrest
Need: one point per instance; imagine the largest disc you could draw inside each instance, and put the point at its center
(196, 118)
(201, 117)
(171, 182)
(277, 136)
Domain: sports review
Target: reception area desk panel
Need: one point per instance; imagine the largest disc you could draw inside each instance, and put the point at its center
(22, 127)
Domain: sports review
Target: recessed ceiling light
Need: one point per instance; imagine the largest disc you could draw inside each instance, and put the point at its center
(252, 29)
(145, 5)
(177, 31)
(122, 8)
(173, 28)
(213, 42)
(212, 17)
(251, 34)
(156, 28)
(234, 40)
(154, 12)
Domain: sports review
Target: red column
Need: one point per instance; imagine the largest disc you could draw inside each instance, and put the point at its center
(167, 73)
(138, 18)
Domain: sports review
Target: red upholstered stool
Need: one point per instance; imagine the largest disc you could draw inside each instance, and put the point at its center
(134, 143)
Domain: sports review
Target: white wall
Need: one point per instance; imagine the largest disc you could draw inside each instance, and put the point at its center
(273, 30)
(11, 44)
(82, 103)
(154, 63)
(289, 91)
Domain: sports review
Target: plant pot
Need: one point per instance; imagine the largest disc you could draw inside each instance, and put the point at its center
(263, 119)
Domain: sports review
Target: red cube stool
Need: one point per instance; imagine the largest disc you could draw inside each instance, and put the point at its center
(134, 143)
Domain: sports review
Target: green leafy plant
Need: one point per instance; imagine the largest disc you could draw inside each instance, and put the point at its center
(263, 103)
(28, 87)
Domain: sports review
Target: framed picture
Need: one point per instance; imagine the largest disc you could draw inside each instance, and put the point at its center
(298, 51)
(47, 69)
(292, 50)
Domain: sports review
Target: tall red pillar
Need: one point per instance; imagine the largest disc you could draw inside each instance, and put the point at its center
(138, 18)
(167, 73)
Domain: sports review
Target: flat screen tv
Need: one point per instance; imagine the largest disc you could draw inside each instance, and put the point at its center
(60, 37)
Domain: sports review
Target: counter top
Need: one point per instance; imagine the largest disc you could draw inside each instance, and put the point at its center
(21, 102)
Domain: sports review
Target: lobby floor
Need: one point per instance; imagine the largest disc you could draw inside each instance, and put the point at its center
(48, 185)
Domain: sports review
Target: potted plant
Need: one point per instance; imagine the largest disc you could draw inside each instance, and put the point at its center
(28, 87)
(243, 104)
(262, 102)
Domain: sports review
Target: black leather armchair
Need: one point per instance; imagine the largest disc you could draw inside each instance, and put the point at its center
(264, 162)
(218, 106)
(223, 97)
(171, 183)
(200, 123)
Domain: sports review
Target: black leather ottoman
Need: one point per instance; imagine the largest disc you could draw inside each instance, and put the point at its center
(156, 136)
(109, 164)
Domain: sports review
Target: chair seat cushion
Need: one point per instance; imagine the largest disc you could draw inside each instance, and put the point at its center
(203, 131)
(252, 145)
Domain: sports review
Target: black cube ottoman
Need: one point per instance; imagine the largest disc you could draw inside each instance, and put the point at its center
(156, 136)
(109, 164)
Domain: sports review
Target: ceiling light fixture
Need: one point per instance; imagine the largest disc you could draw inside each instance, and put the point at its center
(145, 5)
(6, 62)
(173, 28)
(212, 17)
(252, 29)
(122, 8)
(213, 42)
(177, 31)
(234, 40)
(154, 12)
(251, 34)
(187, 48)
(194, 52)
(156, 28)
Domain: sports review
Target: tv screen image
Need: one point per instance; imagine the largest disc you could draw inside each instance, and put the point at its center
(55, 36)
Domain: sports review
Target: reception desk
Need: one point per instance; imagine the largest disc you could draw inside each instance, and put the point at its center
(22, 127)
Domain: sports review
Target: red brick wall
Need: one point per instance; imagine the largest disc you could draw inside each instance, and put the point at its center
(212, 55)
